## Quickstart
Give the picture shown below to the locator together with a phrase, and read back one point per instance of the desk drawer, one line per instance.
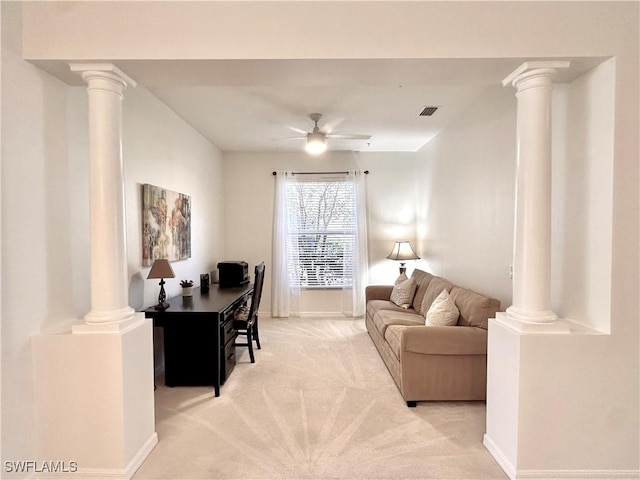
(227, 332)
(228, 361)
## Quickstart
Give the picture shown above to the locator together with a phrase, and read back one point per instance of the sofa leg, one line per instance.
(412, 403)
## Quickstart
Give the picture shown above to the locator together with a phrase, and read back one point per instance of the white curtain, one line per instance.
(285, 299)
(353, 299)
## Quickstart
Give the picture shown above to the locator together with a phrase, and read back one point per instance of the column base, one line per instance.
(111, 327)
(110, 316)
(94, 399)
(539, 408)
(523, 323)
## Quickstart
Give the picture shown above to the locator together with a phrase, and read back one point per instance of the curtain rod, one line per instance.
(366, 172)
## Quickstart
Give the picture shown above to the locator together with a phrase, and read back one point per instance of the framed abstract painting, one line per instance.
(166, 224)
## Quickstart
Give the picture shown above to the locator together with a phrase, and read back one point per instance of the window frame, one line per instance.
(342, 232)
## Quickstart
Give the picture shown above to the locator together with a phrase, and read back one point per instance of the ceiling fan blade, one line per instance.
(348, 137)
(333, 124)
(298, 130)
(325, 132)
(300, 137)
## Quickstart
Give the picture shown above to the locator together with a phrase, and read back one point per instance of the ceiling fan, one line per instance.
(317, 139)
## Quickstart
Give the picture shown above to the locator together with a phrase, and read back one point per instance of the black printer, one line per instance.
(233, 274)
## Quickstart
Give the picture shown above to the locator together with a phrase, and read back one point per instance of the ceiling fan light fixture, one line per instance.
(316, 143)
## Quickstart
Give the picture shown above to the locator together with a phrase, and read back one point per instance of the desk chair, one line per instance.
(246, 321)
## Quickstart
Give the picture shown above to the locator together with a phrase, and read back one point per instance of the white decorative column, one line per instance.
(94, 385)
(532, 241)
(520, 352)
(109, 282)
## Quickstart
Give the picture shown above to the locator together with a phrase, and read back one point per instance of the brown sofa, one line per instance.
(427, 362)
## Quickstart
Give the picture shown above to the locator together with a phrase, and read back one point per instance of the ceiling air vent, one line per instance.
(427, 111)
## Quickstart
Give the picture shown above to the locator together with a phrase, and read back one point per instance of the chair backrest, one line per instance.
(257, 290)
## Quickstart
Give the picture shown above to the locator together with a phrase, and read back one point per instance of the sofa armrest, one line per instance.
(378, 292)
(454, 340)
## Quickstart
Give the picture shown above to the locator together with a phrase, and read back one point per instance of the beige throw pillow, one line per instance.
(403, 291)
(443, 312)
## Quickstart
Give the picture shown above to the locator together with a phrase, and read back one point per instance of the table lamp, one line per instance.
(161, 269)
(402, 251)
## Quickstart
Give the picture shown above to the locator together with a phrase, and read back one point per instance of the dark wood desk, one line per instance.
(199, 338)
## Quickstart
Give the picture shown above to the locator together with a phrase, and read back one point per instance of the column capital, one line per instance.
(103, 71)
(544, 69)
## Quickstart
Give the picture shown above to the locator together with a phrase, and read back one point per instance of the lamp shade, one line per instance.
(161, 268)
(316, 143)
(402, 251)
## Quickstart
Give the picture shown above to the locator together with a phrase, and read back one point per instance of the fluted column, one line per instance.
(109, 285)
(532, 239)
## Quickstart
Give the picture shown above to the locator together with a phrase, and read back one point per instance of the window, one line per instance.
(322, 233)
(319, 240)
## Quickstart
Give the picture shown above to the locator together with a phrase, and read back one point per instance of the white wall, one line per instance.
(159, 148)
(466, 182)
(574, 410)
(583, 197)
(391, 204)
(35, 198)
(45, 213)
(249, 200)
(323, 29)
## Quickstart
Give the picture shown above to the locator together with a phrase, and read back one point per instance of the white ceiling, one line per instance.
(257, 105)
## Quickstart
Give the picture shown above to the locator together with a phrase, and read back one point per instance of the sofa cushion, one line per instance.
(475, 309)
(383, 318)
(435, 287)
(422, 282)
(445, 340)
(403, 291)
(392, 336)
(442, 312)
(374, 305)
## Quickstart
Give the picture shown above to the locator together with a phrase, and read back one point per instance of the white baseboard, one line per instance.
(311, 315)
(499, 456)
(109, 473)
(323, 315)
(514, 474)
(578, 474)
(142, 454)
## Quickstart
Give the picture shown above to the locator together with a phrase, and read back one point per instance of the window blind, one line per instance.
(322, 233)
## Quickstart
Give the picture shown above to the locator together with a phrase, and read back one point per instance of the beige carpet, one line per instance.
(317, 404)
